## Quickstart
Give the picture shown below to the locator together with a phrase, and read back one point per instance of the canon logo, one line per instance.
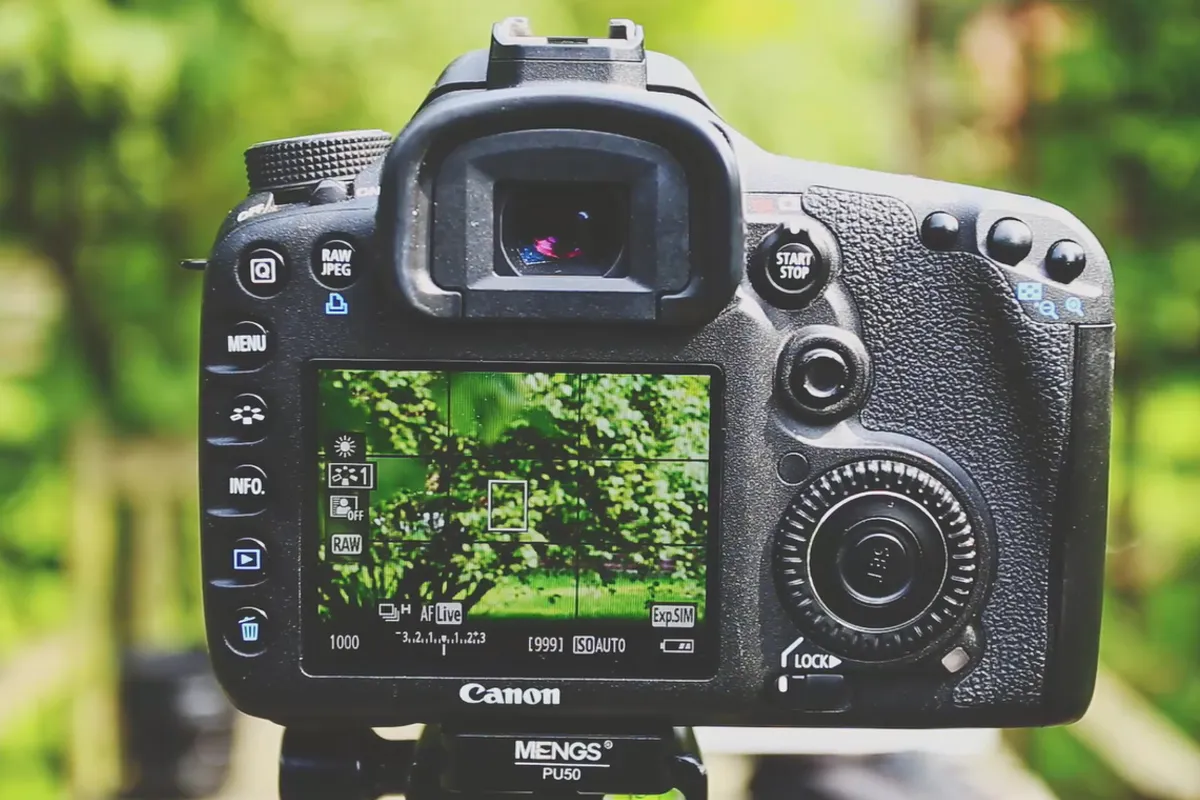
(475, 693)
(559, 751)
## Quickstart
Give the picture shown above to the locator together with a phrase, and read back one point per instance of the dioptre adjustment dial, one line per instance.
(308, 160)
(877, 560)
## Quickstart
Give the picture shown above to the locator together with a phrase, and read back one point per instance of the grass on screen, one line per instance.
(551, 595)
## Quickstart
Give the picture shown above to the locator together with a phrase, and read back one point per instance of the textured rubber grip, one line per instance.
(308, 160)
(957, 364)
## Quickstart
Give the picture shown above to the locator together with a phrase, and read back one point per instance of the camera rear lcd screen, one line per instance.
(493, 522)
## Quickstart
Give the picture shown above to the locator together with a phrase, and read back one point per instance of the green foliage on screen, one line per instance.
(527, 495)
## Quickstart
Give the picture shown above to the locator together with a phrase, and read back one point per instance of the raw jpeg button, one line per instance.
(336, 263)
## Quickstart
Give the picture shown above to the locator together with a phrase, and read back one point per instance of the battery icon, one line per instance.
(678, 646)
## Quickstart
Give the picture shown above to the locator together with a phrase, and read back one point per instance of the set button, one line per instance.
(247, 631)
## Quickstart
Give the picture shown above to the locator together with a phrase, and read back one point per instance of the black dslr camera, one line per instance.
(570, 402)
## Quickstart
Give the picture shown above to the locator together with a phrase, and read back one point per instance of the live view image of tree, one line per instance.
(526, 495)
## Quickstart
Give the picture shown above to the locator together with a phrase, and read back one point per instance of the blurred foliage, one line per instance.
(121, 128)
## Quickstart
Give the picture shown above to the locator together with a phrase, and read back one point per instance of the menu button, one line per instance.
(244, 346)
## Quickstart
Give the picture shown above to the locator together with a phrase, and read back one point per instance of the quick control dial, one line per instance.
(305, 161)
(876, 560)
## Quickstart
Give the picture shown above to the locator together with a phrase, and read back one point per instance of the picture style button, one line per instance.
(246, 491)
(336, 264)
(248, 562)
(243, 420)
(262, 272)
(242, 347)
(248, 631)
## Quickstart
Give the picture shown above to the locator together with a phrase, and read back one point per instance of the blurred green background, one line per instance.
(122, 124)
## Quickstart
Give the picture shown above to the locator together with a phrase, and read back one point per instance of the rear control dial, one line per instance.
(876, 560)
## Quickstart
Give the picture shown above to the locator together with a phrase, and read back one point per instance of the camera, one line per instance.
(570, 401)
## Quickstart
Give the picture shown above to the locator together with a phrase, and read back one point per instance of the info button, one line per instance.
(243, 491)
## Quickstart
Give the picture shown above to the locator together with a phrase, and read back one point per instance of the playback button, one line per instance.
(247, 565)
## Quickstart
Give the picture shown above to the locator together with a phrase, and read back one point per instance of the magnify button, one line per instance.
(1074, 305)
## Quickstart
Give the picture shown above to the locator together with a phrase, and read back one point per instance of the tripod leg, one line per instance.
(690, 776)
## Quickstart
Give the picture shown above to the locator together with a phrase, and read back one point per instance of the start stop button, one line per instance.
(792, 264)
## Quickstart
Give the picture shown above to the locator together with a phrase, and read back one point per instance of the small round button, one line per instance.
(246, 490)
(940, 231)
(242, 347)
(1009, 241)
(247, 631)
(790, 267)
(1065, 261)
(821, 377)
(792, 468)
(262, 272)
(336, 264)
(248, 562)
(243, 420)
